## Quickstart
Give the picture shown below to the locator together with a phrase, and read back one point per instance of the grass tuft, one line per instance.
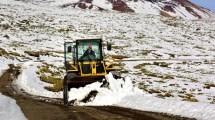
(119, 56)
(37, 53)
(7, 36)
(51, 74)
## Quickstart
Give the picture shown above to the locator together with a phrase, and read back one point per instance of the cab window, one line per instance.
(85, 54)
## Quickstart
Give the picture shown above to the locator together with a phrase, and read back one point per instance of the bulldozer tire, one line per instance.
(68, 77)
(65, 91)
(71, 76)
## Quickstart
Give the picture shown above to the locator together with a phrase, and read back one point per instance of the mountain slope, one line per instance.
(169, 8)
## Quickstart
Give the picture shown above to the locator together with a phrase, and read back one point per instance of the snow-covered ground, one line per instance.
(9, 110)
(172, 84)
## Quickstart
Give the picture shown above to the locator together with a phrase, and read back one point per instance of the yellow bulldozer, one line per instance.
(84, 62)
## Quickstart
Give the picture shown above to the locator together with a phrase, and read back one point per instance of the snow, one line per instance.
(29, 81)
(9, 110)
(203, 111)
(106, 96)
(103, 4)
(124, 94)
(184, 13)
(4, 64)
(134, 35)
(144, 7)
(121, 92)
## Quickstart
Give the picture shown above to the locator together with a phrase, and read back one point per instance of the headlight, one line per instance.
(107, 63)
(110, 60)
(70, 62)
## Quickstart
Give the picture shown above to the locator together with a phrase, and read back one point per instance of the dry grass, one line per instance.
(47, 74)
(143, 69)
(57, 83)
(151, 91)
(120, 67)
(145, 52)
(3, 52)
(5, 26)
(119, 56)
(208, 85)
(37, 53)
(160, 95)
(188, 97)
(7, 36)
(143, 86)
(161, 64)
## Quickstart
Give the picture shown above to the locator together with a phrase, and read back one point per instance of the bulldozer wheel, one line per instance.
(71, 76)
(66, 88)
(65, 91)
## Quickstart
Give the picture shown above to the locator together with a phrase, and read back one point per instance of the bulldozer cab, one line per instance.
(84, 57)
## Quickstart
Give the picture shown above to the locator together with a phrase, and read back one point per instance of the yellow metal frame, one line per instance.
(93, 67)
(75, 69)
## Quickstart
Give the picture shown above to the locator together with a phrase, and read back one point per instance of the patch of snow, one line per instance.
(29, 81)
(144, 7)
(103, 4)
(203, 111)
(62, 2)
(9, 110)
(182, 12)
(6, 1)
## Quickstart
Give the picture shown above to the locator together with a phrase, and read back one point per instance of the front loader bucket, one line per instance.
(83, 81)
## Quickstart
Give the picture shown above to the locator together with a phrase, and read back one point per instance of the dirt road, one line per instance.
(38, 109)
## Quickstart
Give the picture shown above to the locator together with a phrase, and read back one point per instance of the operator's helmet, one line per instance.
(90, 47)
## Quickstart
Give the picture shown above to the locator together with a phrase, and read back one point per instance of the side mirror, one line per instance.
(108, 46)
(69, 49)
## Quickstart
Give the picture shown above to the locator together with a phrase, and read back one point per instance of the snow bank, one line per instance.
(110, 95)
(29, 81)
(203, 111)
(9, 110)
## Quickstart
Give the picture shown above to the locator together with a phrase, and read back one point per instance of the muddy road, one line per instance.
(40, 109)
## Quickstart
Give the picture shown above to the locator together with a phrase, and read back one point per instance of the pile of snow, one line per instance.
(9, 109)
(116, 90)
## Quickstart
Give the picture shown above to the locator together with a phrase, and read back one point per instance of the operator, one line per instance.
(89, 51)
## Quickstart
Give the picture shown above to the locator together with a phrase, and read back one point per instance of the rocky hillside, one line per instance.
(169, 8)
